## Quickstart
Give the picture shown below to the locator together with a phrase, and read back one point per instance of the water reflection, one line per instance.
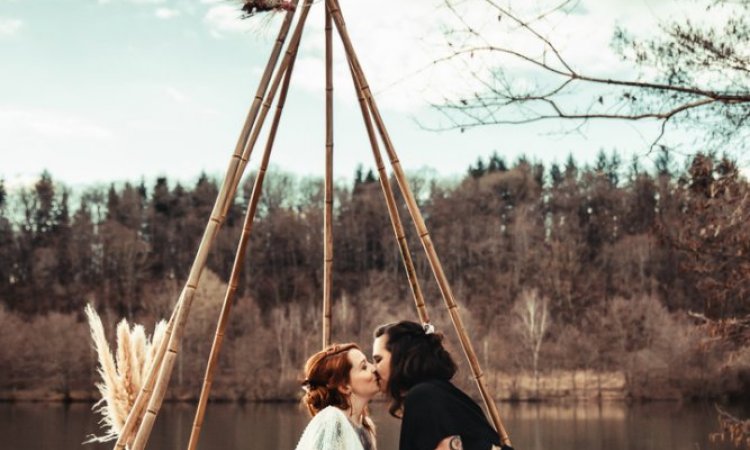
(611, 426)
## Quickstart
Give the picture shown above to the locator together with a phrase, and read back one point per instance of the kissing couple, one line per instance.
(412, 368)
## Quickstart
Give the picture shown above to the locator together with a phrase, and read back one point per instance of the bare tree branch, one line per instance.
(498, 101)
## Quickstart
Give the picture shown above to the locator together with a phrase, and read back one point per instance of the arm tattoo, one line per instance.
(455, 443)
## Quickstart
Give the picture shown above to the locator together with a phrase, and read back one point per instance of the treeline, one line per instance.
(618, 253)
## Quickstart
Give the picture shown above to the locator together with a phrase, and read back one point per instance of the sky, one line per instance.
(96, 91)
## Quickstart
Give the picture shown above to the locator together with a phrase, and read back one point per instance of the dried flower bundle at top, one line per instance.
(252, 7)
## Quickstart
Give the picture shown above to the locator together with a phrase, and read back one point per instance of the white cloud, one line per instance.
(176, 95)
(390, 48)
(187, 103)
(29, 125)
(397, 50)
(166, 13)
(10, 27)
(226, 18)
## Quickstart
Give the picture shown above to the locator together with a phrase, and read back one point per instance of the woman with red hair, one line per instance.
(339, 383)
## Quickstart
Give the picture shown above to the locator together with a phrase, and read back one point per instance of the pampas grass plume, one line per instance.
(122, 376)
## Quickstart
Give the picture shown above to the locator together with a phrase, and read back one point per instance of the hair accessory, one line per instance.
(306, 386)
(428, 328)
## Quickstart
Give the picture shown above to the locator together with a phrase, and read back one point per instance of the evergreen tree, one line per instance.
(43, 206)
(158, 230)
(3, 196)
(86, 266)
(613, 168)
(370, 177)
(478, 170)
(63, 256)
(497, 164)
(7, 253)
(130, 209)
(664, 162)
(571, 169)
(556, 175)
(641, 209)
(634, 169)
(538, 174)
(113, 203)
(601, 162)
(358, 175)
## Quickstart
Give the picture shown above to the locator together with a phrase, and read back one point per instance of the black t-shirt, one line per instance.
(435, 409)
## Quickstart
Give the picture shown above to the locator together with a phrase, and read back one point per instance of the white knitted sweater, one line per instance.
(330, 429)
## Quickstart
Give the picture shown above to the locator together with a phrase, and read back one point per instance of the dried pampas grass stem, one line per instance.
(122, 375)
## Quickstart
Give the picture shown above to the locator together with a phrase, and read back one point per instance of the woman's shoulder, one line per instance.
(329, 413)
(327, 430)
(326, 420)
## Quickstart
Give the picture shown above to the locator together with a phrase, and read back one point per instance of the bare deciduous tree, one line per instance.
(532, 311)
(689, 73)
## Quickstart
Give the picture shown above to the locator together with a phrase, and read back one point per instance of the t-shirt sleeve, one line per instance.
(427, 419)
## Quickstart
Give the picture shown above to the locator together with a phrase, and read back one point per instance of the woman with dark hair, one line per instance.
(415, 371)
(339, 383)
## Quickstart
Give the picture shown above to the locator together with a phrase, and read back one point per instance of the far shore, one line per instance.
(552, 387)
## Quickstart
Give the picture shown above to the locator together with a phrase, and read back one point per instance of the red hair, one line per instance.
(326, 372)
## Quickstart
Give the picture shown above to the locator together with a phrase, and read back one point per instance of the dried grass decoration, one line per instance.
(123, 374)
(252, 7)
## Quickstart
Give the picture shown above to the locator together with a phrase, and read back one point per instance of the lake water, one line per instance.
(613, 426)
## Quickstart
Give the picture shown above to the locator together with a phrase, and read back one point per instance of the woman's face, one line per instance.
(363, 379)
(382, 358)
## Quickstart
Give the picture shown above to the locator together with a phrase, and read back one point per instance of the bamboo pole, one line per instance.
(241, 147)
(231, 179)
(126, 433)
(238, 265)
(420, 225)
(165, 371)
(296, 36)
(390, 200)
(328, 214)
(183, 308)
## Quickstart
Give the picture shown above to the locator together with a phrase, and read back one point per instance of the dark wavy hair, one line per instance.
(415, 357)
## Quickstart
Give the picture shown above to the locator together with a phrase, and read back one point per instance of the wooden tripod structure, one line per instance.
(275, 80)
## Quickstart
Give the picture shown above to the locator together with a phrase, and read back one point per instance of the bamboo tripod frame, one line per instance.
(155, 384)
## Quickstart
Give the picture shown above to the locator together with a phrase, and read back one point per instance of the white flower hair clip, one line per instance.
(428, 328)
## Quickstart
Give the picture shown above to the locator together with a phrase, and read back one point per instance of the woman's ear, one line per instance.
(346, 390)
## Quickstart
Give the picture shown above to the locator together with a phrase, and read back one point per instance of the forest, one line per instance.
(622, 279)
